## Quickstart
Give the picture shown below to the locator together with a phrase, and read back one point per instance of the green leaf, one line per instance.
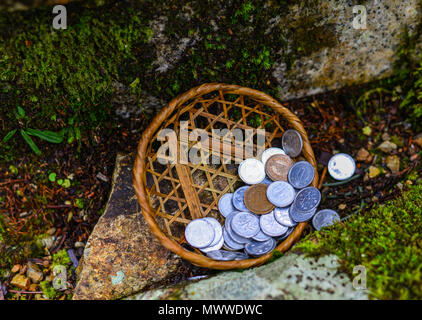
(21, 112)
(9, 135)
(46, 135)
(66, 183)
(52, 177)
(30, 142)
(60, 182)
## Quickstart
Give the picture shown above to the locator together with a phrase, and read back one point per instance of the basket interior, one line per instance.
(179, 193)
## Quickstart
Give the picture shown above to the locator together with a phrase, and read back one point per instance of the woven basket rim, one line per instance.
(140, 163)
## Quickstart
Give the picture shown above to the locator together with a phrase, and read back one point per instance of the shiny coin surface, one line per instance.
(233, 235)
(284, 236)
(277, 167)
(218, 231)
(224, 255)
(259, 248)
(225, 204)
(230, 243)
(260, 236)
(283, 217)
(245, 224)
(199, 233)
(281, 193)
(292, 143)
(307, 199)
(251, 171)
(341, 166)
(301, 174)
(324, 218)
(270, 226)
(214, 247)
(256, 199)
(238, 196)
(300, 216)
(270, 152)
(267, 180)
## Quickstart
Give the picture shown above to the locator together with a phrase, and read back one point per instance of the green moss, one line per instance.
(387, 240)
(48, 290)
(60, 258)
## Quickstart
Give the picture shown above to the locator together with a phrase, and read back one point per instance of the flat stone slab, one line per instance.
(122, 256)
(290, 277)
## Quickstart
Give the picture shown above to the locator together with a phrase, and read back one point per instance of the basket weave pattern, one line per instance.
(171, 195)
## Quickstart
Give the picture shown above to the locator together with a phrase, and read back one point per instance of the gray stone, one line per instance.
(290, 277)
(387, 146)
(122, 256)
(356, 56)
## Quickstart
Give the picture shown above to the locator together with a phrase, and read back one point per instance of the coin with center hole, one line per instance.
(324, 218)
(238, 196)
(199, 233)
(277, 167)
(292, 143)
(341, 166)
(270, 226)
(280, 193)
(301, 174)
(256, 199)
(251, 171)
(307, 199)
(270, 152)
(283, 217)
(225, 204)
(245, 224)
(259, 248)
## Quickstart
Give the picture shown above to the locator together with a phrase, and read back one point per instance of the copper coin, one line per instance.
(256, 199)
(277, 167)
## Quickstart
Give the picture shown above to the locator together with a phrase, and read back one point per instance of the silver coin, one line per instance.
(245, 224)
(218, 230)
(230, 243)
(259, 248)
(238, 196)
(270, 226)
(214, 247)
(301, 174)
(199, 233)
(270, 152)
(267, 180)
(282, 216)
(284, 236)
(307, 199)
(233, 235)
(300, 216)
(341, 166)
(260, 236)
(251, 171)
(225, 204)
(224, 255)
(324, 218)
(280, 193)
(292, 143)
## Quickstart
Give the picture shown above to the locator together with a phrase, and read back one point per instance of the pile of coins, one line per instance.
(276, 197)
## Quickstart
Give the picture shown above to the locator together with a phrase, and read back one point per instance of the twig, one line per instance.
(25, 292)
(321, 181)
(335, 184)
(11, 181)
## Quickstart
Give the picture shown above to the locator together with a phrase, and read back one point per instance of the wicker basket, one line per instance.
(172, 195)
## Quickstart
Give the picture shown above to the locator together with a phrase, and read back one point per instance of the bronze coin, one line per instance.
(256, 199)
(277, 167)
